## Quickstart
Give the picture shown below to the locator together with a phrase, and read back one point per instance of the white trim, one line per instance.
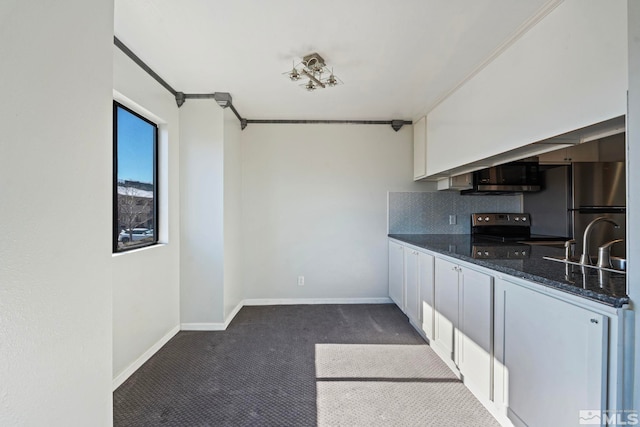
(293, 301)
(233, 313)
(132, 105)
(126, 373)
(213, 326)
(221, 326)
(202, 327)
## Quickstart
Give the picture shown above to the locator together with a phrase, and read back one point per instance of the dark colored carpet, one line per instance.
(302, 365)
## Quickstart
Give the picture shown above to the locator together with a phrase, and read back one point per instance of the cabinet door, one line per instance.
(560, 156)
(586, 152)
(396, 274)
(411, 302)
(425, 281)
(462, 182)
(420, 149)
(476, 331)
(445, 305)
(550, 358)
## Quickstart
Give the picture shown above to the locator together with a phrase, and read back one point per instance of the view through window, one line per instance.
(135, 180)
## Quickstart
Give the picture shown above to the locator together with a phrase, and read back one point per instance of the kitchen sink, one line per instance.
(548, 243)
(619, 265)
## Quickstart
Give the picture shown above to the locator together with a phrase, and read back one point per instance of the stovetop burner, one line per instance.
(500, 235)
(503, 226)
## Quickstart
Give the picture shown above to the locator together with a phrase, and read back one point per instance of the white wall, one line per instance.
(633, 181)
(211, 198)
(201, 201)
(567, 72)
(233, 286)
(146, 282)
(315, 200)
(55, 211)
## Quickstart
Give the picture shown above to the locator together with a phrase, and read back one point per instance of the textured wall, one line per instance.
(428, 213)
(146, 287)
(55, 206)
(314, 204)
(233, 287)
(202, 215)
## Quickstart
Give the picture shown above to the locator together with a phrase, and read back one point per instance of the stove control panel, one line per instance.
(500, 252)
(501, 219)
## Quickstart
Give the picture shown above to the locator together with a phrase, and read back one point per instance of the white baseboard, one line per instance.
(293, 301)
(202, 327)
(278, 301)
(233, 313)
(212, 326)
(122, 377)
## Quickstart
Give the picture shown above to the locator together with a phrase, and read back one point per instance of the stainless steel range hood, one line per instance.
(508, 178)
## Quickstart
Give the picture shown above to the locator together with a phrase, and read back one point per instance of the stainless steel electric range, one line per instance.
(506, 236)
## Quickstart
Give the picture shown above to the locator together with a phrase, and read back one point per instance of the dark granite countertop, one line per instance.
(548, 273)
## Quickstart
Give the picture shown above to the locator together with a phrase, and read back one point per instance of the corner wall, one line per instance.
(211, 200)
(315, 203)
(202, 227)
(146, 282)
(55, 192)
(233, 286)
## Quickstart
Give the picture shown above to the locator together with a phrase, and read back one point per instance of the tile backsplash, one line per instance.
(428, 212)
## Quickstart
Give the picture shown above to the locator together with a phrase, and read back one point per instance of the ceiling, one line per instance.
(397, 58)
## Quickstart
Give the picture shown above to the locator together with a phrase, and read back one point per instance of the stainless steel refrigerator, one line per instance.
(573, 196)
(599, 190)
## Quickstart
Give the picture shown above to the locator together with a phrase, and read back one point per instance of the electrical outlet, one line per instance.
(300, 280)
(452, 220)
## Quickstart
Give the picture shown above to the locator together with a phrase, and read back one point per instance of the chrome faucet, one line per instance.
(569, 249)
(604, 253)
(586, 258)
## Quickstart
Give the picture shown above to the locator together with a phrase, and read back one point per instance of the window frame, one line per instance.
(116, 224)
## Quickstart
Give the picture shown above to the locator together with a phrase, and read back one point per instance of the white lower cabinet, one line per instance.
(550, 358)
(411, 289)
(425, 284)
(396, 274)
(463, 323)
(411, 285)
(475, 334)
(533, 356)
(446, 308)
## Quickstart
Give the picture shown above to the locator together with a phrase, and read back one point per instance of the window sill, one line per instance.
(144, 248)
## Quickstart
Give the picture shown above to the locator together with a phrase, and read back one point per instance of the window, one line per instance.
(135, 191)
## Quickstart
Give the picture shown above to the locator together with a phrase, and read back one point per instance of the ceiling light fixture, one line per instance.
(314, 68)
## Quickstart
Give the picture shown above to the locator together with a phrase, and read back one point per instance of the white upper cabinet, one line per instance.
(420, 149)
(563, 74)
